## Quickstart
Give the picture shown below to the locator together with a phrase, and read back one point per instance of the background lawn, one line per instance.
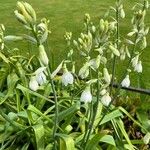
(67, 15)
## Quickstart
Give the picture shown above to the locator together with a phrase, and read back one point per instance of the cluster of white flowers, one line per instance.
(106, 99)
(38, 79)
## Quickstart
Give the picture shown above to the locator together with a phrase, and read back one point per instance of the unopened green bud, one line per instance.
(122, 13)
(75, 43)
(103, 60)
(20, 17)
(93, 29)
(107, 77)
(144, 43)
(101, 25)
(87, 18)
(80, 40)
(43, 56)
(114, 50)
(106, 24)
(21, 7)
(30, 10)
(13, 38)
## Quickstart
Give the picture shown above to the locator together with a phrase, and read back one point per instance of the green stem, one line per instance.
(95, 110)
(117, 40)
(56, 106)
(54, 92)
(88, 126)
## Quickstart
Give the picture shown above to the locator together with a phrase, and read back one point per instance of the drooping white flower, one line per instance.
(146, 138)
(67, 78)
(106, 99)
(41, 78)
(86, 95)
(138, 68)
(33, 84)
(135, 60)
(126, 81)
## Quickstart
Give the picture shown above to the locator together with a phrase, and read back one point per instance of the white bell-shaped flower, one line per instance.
(67, 77)
(106, 99)
(33, 84)
(86, 95)
(126, 81)
(138, 67)
(41, 78)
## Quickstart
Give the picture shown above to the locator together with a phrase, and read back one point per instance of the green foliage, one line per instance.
(44, 109)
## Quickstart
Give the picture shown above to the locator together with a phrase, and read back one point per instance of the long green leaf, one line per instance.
(110, 116)
(39, 136)
(66, 142)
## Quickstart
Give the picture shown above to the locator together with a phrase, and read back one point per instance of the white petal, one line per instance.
(67, 78)
(41, 78)
(33, 84)
(138, 68)
(106, 99)
(86, 96)
(126, 82)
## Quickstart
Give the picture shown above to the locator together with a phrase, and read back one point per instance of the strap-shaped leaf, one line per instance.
(39, 136)
(66, 142)
(110, 116)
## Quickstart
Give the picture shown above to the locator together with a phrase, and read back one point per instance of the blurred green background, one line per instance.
(67, 15)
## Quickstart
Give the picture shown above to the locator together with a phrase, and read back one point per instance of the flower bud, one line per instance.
(138, 67)
(75, 43)
(86, 95)
(107, 77)
(20, 17)
(101, 25)
(135, 60)
(21, 7)
(106, 99)
(12, 38)
(43, 56)
(144, 43)
(122, 13)
(67, 77)
(33, 84)
(93, 29)
(126, 81)
(114, 50)
(30, 10)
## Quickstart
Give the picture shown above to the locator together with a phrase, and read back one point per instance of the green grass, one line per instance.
(67, 15)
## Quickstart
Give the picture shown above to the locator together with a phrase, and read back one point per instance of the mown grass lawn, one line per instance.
(67, 15)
